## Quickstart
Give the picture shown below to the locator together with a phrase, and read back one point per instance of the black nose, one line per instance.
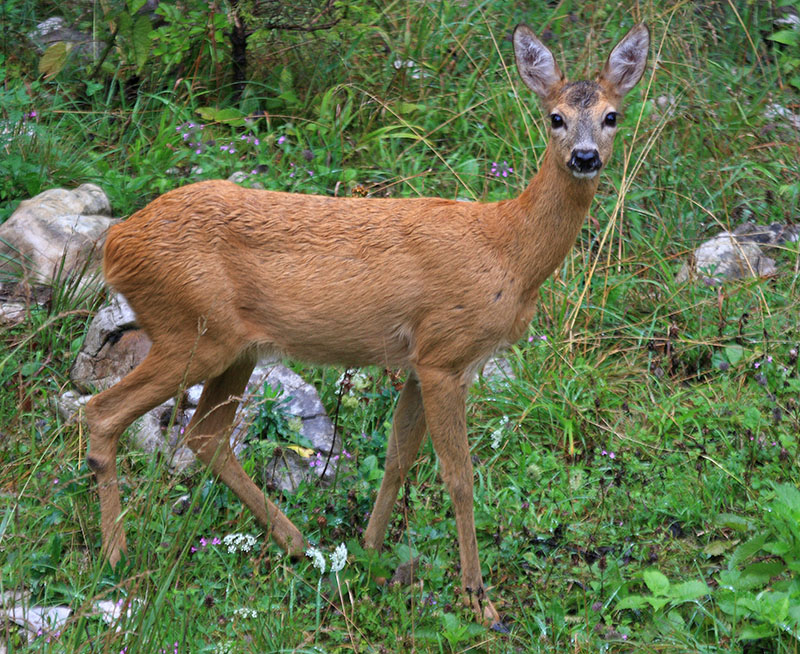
(585, 161)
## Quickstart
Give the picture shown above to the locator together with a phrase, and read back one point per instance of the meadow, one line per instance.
(636, 477)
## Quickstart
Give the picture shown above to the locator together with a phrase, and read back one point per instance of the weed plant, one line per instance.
(636, 475)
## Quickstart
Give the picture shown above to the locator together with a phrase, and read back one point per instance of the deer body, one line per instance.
(221, 275)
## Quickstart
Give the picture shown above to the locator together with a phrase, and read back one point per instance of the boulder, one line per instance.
(737, 254)
(55, 234)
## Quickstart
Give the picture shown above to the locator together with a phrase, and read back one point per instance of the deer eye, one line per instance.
(611, 119)
(556, 121)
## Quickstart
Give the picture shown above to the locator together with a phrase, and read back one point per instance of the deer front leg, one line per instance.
(444, 395)
(408, 430)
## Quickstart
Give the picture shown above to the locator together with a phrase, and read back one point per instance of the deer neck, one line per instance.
(549, 215)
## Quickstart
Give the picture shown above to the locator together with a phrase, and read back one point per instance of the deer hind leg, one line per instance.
(444, 395)
(208, 434)
(152, 382)
(408, 430)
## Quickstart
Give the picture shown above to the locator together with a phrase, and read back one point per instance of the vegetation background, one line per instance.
(636, 480)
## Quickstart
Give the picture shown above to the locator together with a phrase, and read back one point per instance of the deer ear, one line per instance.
(535, 63)
(627, 61)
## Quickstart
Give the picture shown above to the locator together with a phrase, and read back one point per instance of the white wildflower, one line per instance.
(338, 558)
(225, 647)
(245, 613)
(497, 434)
(317, 559)
(239, 542)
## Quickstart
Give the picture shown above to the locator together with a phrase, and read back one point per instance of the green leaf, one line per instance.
(54, 58)
(135, 5)
(140, 41)
(789, 495)
(688, 590)
(657, 602)
(30, 368)
(759, 574)
(734, 353)
(228, 115)
(746, 550)
(754, 632)
(656, 581)
(787, 37)
(735, 522)
(407, 107)
(631, 602)
(718, 547)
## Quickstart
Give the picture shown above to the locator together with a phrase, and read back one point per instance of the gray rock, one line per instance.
(11, 313)
(55, 30)
(36, 620)
(497, 371)
(112, 348)
(55, 234)
(775, 111)
(737, 254)
(300, 400)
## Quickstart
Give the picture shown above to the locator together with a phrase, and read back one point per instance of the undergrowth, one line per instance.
(636, 475)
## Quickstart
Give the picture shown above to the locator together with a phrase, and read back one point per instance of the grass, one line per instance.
(635, 479)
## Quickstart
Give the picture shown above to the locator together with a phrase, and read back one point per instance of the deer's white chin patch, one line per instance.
(588, 175)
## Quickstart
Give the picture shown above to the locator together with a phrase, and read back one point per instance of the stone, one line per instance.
(11, 313)
(56, 234)
(737, 254)
(497, 371)
(112, 348)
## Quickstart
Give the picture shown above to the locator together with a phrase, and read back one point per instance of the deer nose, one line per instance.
(585, 161)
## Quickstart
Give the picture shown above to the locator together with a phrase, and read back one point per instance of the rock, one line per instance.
(240, 176)
(498, 371)
(11, 313)
(112, 348)
(55, 234)
(37, 620)
(300, 400)
(69, 404)
(736, 254)
(776, 110)
(55, 30)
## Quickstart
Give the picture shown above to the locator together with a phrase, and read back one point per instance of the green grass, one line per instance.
(634, 482)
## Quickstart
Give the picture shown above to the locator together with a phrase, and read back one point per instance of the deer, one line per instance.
(220, 276)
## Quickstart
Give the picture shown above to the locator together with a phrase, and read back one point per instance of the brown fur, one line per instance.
(219, 275)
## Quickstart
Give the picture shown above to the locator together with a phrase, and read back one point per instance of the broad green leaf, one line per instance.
(631, 602)
(140, 41)
(760, 573)
(787, 37)
(734, 353)
(754, 632)
(229, 115)
(656, 581)
(407, 107)
(735, 522)
(718, 547)
(746, 550)
(30, 368)
(657, 602)
(54, 58)
(688, 590)
(789, 495)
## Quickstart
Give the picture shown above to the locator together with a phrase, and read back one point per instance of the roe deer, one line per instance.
(220, 275)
